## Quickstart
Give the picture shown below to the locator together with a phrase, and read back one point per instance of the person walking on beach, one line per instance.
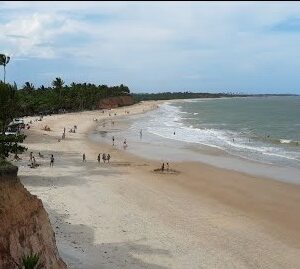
(168, 167)
(163, 167)
(32, 164)
(83, 157)
(113, 140)
(104, 157)
(108, 157)
(51, 161)
(99, 157)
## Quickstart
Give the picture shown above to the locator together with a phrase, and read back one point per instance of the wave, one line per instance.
(282, 156)
(244, 142)
(285, 141)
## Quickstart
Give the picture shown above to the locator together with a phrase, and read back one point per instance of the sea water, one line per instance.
(265, 129)
(256, 134)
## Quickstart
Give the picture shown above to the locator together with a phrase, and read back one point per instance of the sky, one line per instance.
(241, 47)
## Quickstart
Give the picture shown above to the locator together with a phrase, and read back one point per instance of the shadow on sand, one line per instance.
(76, 245)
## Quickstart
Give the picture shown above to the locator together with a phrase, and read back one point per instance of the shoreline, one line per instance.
(123, 214)
(181, 151)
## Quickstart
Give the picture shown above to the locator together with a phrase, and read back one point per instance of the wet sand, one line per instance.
(125, 215)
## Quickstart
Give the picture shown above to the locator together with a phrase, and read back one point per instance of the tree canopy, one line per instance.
(73, 97)
(9, 106)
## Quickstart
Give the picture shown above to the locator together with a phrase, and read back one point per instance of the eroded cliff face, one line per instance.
(24, 225)
(113, 102)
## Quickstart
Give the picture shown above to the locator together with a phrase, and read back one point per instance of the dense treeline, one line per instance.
(178, 95)
(60, 97)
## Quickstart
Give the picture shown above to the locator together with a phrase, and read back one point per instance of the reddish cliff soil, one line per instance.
(24, 225)
(113, 102)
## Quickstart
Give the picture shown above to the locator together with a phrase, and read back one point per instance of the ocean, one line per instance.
(223, 132)
(264, 129)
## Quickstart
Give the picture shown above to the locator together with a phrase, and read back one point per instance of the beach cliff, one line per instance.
(113, 102)
(24, 225)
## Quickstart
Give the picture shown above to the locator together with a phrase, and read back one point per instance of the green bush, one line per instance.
(31, 261)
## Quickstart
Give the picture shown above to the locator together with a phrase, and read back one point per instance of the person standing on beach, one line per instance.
(83, 158)
(99, 157)
(163, 167)
(104, 157)
(168, 167)
(141, 133)
(30, 156)
(108, 157)
(51, 160)
(113, 140)
(125, 144)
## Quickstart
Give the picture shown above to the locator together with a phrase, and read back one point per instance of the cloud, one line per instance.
(159, 45)
(16, 36)
(289, 25)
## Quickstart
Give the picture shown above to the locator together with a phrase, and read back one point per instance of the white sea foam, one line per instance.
(285, 141)
(282, 156)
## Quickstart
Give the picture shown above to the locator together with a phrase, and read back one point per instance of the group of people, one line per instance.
(32, 160)
(33, 163)
(72, 130)
(105, 157)
(163, 167)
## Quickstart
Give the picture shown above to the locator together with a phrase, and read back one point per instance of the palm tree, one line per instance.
(4, 60)
(28, 87)
(42, 88)
(58, 84)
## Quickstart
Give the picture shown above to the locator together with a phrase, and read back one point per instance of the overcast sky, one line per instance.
(249, 47)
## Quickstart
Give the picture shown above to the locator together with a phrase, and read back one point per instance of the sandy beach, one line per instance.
(125, 215)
